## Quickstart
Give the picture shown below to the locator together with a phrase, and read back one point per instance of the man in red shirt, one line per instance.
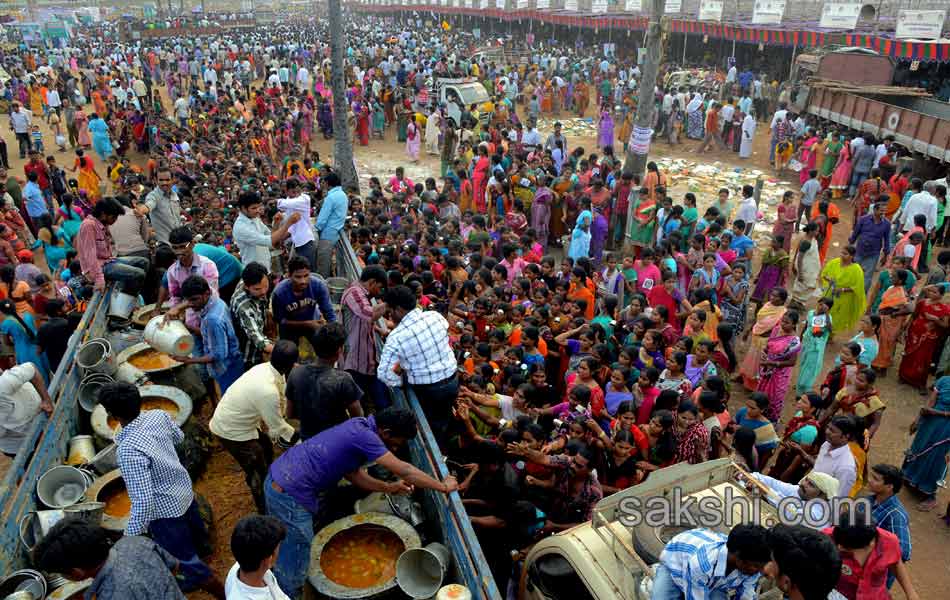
(868, 553)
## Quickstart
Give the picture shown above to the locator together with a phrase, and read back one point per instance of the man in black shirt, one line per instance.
(319, 394)
(53, 335)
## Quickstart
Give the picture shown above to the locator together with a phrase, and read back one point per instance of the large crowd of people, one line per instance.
(561, 350)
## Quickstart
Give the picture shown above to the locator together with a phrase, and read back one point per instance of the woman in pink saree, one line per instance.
(808, 158)
(777, 361)
(766, 320)
(841, 177)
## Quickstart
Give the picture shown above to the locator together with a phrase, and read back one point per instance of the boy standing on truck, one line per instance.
(702, 563)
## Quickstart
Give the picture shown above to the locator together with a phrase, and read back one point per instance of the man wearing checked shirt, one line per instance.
(163, 503)
(701, 564)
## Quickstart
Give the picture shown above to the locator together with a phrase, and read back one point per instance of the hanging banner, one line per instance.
(523, 4)
(768, 12)
(470, 3)
(598, 6)
(500, 4)
(633, 5)
(919, 24)
(570, 5)
(840, 15)
(483, 4)
(673, 7)
(710, 10)
(543, 4)
(640, 139)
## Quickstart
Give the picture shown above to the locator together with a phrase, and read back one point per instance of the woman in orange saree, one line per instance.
(894, 309)
(768, 317)
(826, 214)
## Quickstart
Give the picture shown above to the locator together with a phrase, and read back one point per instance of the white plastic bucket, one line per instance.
(420, 571)
(81, 450)
(171, 337)
(129, 373)
(454, 591)
(96, 356)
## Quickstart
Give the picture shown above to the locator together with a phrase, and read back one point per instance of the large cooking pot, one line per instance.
(100, 419)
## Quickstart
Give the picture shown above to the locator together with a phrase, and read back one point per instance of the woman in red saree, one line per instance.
(480, 179)
(930, 322)
(778, 360)
(362, 124)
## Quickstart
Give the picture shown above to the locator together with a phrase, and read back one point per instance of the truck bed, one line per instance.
(922, 125)
(46, 443)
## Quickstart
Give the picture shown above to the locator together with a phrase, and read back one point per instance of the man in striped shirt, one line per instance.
(702, 564)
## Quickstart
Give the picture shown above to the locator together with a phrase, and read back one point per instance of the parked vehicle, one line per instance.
(853, 87)
(606, 559)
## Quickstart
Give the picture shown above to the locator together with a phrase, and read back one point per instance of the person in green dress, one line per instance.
(643, 224)
(689, 219)
(885, 279)
(830, 160)
(817, 328)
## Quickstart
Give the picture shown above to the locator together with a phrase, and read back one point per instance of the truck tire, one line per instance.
(649, 540)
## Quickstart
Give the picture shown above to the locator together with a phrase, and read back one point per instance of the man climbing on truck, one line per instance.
(702, 563)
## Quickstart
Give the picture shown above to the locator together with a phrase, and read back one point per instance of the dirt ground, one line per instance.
(223, 483)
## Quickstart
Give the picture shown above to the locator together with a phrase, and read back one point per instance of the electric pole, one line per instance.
(639, 146)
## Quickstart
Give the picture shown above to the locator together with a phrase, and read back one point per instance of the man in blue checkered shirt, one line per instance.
(163, 503)
(702, 564)
(885, 482)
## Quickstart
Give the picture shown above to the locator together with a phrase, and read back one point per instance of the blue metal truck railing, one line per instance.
(453, 522)
(45, 444)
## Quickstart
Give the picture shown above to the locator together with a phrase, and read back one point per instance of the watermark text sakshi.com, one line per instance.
(730, 508)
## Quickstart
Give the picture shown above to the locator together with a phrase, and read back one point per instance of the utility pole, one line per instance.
(636, 159)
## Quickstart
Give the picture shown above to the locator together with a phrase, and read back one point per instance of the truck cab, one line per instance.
(612, 556)
(459, 94)
(857, 66)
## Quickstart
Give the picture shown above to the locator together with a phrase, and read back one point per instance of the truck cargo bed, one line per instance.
(921, 125)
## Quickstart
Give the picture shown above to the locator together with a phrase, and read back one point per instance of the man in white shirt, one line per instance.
(182, 111)
(531, 140)
(253, 238)
(301, 233)
(921, 203)
(835, 457)
(856, 144)
(53, 101)
(23, 395)
(255, 399)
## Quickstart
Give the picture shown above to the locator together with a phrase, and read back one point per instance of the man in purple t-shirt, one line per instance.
(299, 479)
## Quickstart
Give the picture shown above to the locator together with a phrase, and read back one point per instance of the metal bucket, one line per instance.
(24, 580)
(420, 571)
(61, 486)
(171, 338)
(105, 460)
(89, 390)
(90, 512)
(95, 356)
(121, 304)
(81, 450)
(337, 285)
(35, 524)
